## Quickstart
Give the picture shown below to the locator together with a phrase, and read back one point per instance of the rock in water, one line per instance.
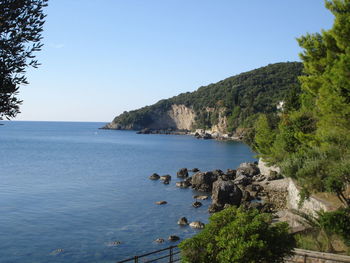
(197, 225)
(197, 204)
(226, 192)
(154, 176)
(159, 240)
(203, 181)
(57, 251)
(182, 173)
(161, 203)
(182, 221)
(173, 238)
(166, 177)
(194, 170)
(201, 197)
(183, 184)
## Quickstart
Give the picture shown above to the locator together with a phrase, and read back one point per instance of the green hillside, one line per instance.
(239, 98)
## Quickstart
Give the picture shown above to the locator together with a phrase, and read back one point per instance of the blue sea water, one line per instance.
(68, 189)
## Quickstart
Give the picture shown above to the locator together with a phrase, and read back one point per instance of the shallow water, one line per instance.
(68, 189)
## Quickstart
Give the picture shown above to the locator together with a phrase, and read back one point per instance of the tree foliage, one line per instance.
(21, 25)
(238, 236)
(242, 97)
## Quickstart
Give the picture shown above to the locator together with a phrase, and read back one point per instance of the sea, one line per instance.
(71, 192)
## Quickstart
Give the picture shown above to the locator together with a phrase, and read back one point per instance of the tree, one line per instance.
(239, 236)
(21, 25)
(264, 136)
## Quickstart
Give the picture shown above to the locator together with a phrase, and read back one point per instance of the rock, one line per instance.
(113, 243)
(182, 173)
(182, 221)
(154, 176)
(203, 181)
(247, 169)
(201, 197)
(207, 136)
(159, 240)
(243, 180)
(229, 175)
(226, 192)
(197, 204)
(165, 177)
(161, 203)
(213, 208)
(194, 170)
(246, 196)
(197, 225)
(255, 188)
(274, 176)
(173, 238)
(183, 184)
(166, 182)
(218, 172)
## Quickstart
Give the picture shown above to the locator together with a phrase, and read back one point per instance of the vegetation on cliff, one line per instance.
(239, 98)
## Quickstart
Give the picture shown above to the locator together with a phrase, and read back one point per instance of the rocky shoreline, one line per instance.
(245, 186)
(198, 133)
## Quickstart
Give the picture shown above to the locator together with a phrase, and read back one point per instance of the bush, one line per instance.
(238, 236)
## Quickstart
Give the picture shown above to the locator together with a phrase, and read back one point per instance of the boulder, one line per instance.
(154, 176)
(229, 175)
(218, 172)
(194, 170)
(247, 169)
(243, 180)
(182, 173)
(203, 181)
(197, 225)
(173, 238)
(166, 177)
(161, 202)
(182, 221)
(274, 176)
(226, 192)
(197, 204)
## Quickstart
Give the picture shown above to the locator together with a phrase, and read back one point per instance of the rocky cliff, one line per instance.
(224, 107)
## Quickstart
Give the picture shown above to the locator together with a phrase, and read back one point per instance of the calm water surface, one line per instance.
(71, 186)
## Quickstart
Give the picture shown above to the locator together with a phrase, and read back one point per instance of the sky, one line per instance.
(103, 57)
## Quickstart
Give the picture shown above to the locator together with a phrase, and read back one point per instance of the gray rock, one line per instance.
(203, 181)
(194, 170)
(154, 176)
(159, 240)
(243, 180)
(197, 204)
(165, 177)
(226, 192)
(213, 208)
(182, 173)
(182, 221)
(247, 169)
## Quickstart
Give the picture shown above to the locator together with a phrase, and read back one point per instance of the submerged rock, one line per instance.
(182, 221)
(154, 176)
(113, 243)
(57, 251)
(159, 240)
(183, 184)
(173, 238)
(197, 204)
(161, 203)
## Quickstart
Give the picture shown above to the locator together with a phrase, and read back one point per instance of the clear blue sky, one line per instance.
(102, 57)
